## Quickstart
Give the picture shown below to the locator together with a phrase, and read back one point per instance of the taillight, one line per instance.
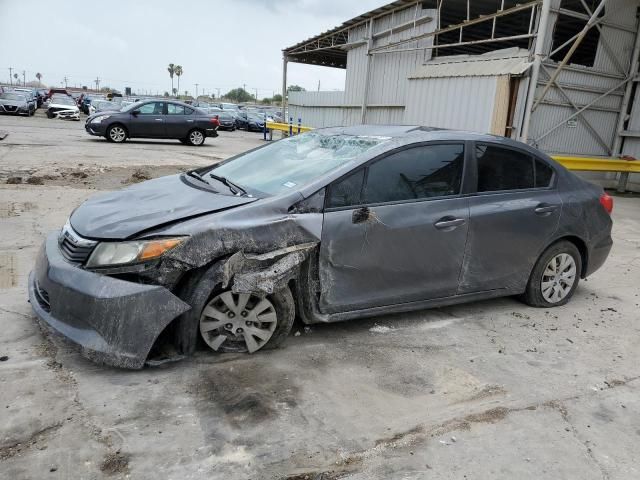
(606, 201)
(215, 121)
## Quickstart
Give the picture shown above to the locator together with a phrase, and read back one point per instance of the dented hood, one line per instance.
(124, 213)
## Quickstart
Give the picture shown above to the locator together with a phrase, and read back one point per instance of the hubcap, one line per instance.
(196, 137)
(240, 321)
(558, 278)
(117, 134)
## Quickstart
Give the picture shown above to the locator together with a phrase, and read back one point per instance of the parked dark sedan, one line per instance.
(227, 121)
(154, 119)
(16, 104)
(349, 222)
(251, 122)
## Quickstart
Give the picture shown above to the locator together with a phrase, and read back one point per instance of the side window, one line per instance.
(419, 172)
(188, 111)
(173, 109)
(503, 169)
(544, 174)
(154, 108)
(346, 192)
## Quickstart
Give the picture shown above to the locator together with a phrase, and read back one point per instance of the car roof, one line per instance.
(404, 134)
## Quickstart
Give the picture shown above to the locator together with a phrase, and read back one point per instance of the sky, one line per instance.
(221, 44)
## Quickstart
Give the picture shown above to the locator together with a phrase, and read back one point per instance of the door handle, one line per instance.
(545, 209)
(158, 120)
(190, 121)
(449, 223)
(360, 215)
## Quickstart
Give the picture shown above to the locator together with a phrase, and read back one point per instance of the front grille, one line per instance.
(10, 108)
(73, 247)
(42, 296)
(74, 253)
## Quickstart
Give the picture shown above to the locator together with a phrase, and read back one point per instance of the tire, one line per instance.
(49, 114)
(116, 133)
(234, 333)
(560, 278)
(196, 137)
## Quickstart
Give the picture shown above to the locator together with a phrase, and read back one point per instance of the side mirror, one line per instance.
(135, 113)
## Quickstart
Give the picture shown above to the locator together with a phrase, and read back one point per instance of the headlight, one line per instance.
(123, 253)
(100, 118)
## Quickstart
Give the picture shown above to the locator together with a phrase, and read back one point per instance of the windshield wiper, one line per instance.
(195, 174)
(235, 189)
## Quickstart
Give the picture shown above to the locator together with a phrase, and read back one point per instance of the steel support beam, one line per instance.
(535, 68)
(624, 110)
(367, 73)
(284, 89)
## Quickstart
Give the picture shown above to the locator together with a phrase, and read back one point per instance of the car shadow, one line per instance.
(169, 143)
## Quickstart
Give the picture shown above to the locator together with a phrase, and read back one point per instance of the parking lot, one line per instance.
(491, 389)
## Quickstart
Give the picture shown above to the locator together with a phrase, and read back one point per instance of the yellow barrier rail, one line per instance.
(285, 127)
(591, 164)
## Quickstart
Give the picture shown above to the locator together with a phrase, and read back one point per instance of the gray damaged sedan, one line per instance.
(330, 225)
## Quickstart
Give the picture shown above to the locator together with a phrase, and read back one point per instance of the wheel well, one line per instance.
(582, 248)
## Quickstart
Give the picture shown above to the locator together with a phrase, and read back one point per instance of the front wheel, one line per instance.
(196, 138)
(116, 134)
(242, 322)
(555, 276)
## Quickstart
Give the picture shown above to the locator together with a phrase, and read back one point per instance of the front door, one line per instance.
(395, 231)
(149, 121)
(513, 217)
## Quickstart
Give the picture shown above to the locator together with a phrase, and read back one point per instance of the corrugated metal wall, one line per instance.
(461, 102)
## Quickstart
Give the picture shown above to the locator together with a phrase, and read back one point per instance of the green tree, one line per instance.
(178, 72)
(175, 91)
(39, 77)
(239, 95)
(266, 101)
(295, 88)
(172, 70)
(166, 94)
(277, 98)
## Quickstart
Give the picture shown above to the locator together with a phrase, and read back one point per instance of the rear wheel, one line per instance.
(116, 133)
(242, 322)
(555, 276)
(196, 138)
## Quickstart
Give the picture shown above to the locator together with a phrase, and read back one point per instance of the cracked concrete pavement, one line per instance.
(490, 389)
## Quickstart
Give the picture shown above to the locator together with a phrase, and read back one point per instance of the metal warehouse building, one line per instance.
(474, 64)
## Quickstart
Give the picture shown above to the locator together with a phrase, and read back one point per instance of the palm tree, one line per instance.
(171, 69)
(178, 72)
(38, 76)
(175, 91)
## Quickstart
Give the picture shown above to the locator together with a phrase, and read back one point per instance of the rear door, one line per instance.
(177, 122)
(149, 122)
(395, 231)
(513, 216)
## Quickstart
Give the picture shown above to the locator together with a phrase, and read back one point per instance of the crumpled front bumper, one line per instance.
(115, 322)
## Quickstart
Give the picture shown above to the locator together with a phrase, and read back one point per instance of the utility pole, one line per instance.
(65, 82)
(24, 78)
(11, 76)
(197, 90)
(218, 92)
(244, 87)
(256, 95)
(97, 82)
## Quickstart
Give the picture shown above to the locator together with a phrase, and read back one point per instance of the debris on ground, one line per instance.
(4, 358)
(115, 463)
(14, 180)
(35, 181)
(137, 176)
(380, 329)
(3, 134)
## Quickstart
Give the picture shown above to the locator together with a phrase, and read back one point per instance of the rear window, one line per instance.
(544, 174)
(503, 169)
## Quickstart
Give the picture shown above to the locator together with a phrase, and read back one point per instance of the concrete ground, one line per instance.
(487, 390)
